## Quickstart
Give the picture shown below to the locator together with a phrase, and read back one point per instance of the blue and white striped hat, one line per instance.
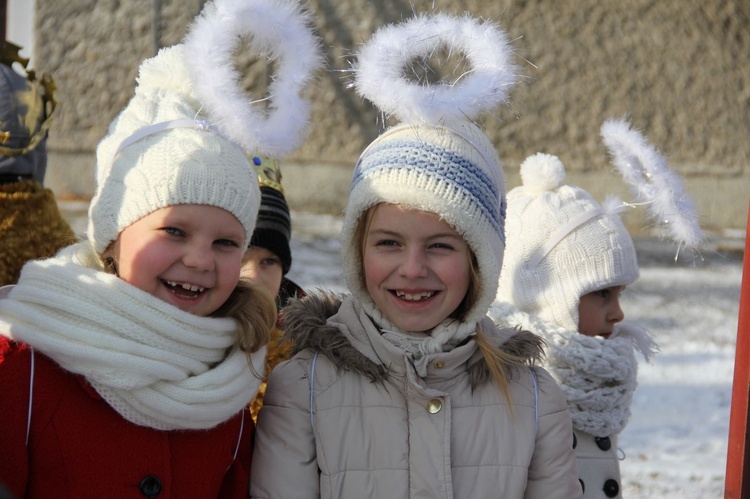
(454, 172)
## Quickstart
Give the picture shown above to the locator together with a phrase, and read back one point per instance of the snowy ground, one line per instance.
(676, 442)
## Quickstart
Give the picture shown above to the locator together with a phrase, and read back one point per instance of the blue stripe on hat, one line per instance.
(436, 163)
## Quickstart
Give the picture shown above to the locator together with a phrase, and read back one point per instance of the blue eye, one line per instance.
(226, 242)
(173, 231)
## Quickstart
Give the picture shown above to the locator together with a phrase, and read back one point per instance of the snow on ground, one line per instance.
(676, 441)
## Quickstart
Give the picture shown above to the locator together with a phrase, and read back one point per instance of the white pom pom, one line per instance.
(542, 172)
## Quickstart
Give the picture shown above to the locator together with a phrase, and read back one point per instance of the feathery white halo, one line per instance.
(278, 29)
(652, 182)
(381, 62)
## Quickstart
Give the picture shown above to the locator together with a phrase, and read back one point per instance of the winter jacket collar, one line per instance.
(323, 322)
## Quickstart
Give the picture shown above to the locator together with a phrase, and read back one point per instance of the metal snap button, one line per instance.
(434, 406)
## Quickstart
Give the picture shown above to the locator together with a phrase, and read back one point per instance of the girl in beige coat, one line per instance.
(404, 388)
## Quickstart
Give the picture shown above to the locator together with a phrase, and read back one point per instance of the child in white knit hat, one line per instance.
(567, 260)
(129, 359)
(405, 388)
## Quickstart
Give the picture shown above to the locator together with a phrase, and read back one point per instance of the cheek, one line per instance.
(250, 270)
(137, 261)
(458, 274)
(231, 268)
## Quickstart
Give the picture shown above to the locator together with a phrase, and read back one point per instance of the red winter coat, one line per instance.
(80, 447)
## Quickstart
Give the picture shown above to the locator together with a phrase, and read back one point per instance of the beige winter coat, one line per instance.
(375, 427)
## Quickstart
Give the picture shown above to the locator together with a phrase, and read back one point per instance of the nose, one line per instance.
(414, 264)
(615, 313)
(199, 257)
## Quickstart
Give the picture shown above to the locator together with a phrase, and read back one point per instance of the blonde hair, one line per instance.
(249, 303)
(255, 311)
(498, 361)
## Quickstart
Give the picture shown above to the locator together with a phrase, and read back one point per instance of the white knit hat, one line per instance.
(436, 160)
(561, 245)
(184, 138)
(175, 166)
(454, 173)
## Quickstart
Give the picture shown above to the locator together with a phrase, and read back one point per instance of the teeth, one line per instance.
(189, 287)
(416, 296)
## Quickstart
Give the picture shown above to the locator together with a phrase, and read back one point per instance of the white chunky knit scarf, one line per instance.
(597, 375)
(156, 365)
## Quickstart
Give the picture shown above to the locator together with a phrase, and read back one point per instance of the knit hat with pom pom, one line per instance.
(185, 137)
(181, 165)
(561, 244)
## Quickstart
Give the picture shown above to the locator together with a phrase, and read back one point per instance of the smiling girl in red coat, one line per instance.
(128, 360)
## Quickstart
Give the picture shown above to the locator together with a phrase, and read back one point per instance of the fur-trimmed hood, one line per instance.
(307, 326)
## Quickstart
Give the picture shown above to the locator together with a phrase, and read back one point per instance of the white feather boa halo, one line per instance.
(278, 29)
(379, 70)
(652, 182)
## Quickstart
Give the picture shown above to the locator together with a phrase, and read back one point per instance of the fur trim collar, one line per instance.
(307, 326)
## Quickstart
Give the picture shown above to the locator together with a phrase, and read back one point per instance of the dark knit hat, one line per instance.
(273, 229)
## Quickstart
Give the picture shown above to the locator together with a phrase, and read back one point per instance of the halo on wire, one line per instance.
(652, 182)
(277, 29)
(379, 71)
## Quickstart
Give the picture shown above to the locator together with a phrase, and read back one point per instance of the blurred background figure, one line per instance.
(31, 226)
(269, 258)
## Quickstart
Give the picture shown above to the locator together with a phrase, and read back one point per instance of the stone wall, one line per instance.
(678, 69)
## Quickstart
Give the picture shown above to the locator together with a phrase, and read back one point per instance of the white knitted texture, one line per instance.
(176, 166)
(156, 365)
(411, 182)
(595, 255)
(597, 375)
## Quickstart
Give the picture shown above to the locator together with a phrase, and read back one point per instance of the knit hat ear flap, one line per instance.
(561, 245)
(436, 160)
(185, 136)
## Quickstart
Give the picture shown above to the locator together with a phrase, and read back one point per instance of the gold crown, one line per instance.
(269, 173)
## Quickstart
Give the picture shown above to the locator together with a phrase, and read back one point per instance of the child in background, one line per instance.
(405, 388)
(567, 261)
(31, 225)
(128, 360)
(268, 260)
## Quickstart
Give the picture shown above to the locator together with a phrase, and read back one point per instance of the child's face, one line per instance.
(599, 311)
(264, 267)
(416, 267)
(187, 255)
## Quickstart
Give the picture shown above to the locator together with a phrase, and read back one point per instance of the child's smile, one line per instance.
(184, 290)
(187, 255)
(416, 267)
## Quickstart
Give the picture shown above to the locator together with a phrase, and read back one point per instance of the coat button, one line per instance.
(575, 441)
(434, 406)
(439, 365)
(150, 486)
(611, 488)
(604, 443)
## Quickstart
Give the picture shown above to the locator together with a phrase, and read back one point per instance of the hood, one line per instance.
(306, 326)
